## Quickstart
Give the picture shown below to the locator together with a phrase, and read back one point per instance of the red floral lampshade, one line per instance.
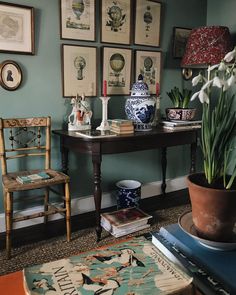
(206, 46)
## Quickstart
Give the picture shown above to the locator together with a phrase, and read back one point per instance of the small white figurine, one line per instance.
(80, 116)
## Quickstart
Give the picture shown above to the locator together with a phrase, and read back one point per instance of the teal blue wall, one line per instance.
(41, 94)
(222, 13)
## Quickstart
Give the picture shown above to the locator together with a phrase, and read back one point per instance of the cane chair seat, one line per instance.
(21, 139)
(12, 185)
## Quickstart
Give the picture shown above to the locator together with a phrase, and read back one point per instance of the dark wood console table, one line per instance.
(96, 147)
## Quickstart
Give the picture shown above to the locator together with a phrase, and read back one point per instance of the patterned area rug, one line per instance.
(83, 240)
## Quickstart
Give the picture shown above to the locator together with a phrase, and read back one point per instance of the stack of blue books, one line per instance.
(213, 271)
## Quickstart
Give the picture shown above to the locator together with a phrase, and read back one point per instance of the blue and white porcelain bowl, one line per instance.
(140, 106)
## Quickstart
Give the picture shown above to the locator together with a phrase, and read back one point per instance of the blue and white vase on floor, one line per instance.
(140, 106)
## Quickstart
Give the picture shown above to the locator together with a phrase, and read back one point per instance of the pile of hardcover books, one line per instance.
(125, 221)
(121, 126)
(32, 177)
(212, 269)
(180, 124)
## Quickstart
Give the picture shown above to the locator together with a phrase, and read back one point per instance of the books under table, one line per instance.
(135, 266)
(32, 177)
(125, 221)
(213, 271)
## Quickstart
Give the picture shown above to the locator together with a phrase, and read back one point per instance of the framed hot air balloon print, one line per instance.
(79, 70)
(115, 21)
(117, 70)
(77, 19)
(148, 64)
(147, 22)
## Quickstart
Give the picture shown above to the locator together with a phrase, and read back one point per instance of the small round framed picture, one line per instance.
(10, 75)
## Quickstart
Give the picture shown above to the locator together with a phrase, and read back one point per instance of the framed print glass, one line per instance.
(115, 21)
(148, 63)
(180, 38)
(77, 19)
(79, 70)
(147, 22)
(16, 28)
(10, 75)
(117, 70)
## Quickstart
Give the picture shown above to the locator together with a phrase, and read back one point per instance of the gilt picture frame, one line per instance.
(117, 70)
(79, 70)
(17, 28)
(115, 21)
(147, 23)
(180, 38)
(148, 63)
(77, 22)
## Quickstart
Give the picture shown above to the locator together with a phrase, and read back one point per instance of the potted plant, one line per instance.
(212, 193)
(180, 101)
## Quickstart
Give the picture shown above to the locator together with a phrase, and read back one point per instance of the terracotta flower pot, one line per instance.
(213, 210)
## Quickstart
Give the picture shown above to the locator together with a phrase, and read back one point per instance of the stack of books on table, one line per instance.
(213, 271)
(121, 126)
(181, 124)
(125, 221)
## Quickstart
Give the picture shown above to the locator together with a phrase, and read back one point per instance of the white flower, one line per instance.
(197, 79)
(218, 82)
(207, 84)
(203, 97)
(231, 81)
(230, 56)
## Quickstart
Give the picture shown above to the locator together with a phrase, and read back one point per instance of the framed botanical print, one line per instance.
(148, 63)
(115, 21)
(79, 70)
(180, 38)
(16, 28)
(117, 70)
(77, 19)
(10, 75)
(147, 22)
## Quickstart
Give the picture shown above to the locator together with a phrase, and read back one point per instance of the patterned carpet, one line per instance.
(82, 240)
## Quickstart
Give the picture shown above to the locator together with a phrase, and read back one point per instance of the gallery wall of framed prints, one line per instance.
(123, 30)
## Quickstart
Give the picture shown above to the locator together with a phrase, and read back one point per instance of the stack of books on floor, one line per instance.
(125, 221)
(121, 126)
(181, 124)
(213, 270)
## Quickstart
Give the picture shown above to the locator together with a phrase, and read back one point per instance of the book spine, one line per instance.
(203, 279)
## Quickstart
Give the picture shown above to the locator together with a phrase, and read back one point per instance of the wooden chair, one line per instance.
(20, 139)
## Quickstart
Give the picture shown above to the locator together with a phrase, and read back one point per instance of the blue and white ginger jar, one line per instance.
(140, 106)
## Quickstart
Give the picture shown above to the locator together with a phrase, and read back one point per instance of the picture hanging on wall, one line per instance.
(10, 75)
(148, 63)
(180, 38)
(79, 68)
(115, 21)
(16, 28)
(147, 22)
(117, 70)
(77, 19)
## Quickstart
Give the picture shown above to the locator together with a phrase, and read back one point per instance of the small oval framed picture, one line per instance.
(10, 75)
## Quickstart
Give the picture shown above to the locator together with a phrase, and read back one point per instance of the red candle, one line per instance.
(157, 89)
(104, 88)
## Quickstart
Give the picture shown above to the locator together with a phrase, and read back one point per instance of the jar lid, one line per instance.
(140, 88)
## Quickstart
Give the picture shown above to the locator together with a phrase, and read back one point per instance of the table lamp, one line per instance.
(206, 46)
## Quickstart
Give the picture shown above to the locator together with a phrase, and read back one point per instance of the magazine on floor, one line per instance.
(135, 266)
